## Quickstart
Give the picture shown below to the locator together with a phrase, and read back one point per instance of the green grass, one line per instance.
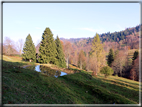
(29, 87)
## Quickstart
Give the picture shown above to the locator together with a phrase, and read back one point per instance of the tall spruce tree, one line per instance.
(29, 51)
(60, 55)
(47, 48)
(110, 57)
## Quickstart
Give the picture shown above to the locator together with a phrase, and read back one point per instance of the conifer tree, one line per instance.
(60, 54)
(97, 55)
(110, 57)
(47, 48)
(135, 55)
(29, 51)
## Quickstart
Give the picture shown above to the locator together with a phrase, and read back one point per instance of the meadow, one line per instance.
(26, 86)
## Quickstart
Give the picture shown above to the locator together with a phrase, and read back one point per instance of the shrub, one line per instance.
(106, 71)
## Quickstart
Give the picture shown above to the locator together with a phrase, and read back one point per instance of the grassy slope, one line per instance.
(26, 86)
(130, 55)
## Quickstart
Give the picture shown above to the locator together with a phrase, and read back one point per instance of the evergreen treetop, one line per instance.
(29, 51)
(47, 48)
(135, 55)
(110, 57)
(60, 55)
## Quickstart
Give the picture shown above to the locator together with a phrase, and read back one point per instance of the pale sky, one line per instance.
(67, 20)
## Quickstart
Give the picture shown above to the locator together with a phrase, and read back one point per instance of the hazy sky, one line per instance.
(68, 20)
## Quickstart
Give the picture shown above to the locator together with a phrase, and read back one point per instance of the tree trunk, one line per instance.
(133, 75)
(93, 73)
(80, 64)
(68, 62)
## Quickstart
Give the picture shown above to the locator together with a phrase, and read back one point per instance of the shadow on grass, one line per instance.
(30, 87)
(129, 82)
(104, 90)
(5, 63)
(123, 83)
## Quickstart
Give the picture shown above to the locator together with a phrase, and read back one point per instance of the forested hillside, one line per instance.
(116, 40)
(111, 37)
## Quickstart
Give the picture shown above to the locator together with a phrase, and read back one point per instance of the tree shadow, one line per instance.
(99, 86)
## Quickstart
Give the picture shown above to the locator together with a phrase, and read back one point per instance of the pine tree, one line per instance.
(47, 48)
(29, 51)
(135, 55)
(110, 57)
(60, 54)
(97, 55)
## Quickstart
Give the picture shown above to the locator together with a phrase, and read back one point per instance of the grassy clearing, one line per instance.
(130, 55)
(29, 87)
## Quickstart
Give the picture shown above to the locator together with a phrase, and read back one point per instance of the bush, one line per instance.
(106, 71)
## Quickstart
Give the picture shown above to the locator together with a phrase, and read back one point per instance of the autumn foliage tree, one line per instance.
(87, 62)
(9, 47)
(68, 50)
(134, 72)
(97, 55)
(75, 57)
(93, 64)
(19, 45)
(62, 44)
(119, 62)
(81, 59)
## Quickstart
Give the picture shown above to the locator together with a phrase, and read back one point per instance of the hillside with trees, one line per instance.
(56, 69)
(118, 40)
(115, 48)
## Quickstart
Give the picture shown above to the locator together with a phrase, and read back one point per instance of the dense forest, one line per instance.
(118, 36)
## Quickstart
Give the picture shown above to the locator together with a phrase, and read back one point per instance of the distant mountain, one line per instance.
(72, 40)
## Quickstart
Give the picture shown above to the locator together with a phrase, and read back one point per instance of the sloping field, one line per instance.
(130, 55)
(30, 87)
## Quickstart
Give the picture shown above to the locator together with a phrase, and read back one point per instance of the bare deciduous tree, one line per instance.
(93, 63)
(19, 45)
(134, 73)
(81, 59)
(119, 62)
(9, 47)
(68, 50)
(87, 62)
